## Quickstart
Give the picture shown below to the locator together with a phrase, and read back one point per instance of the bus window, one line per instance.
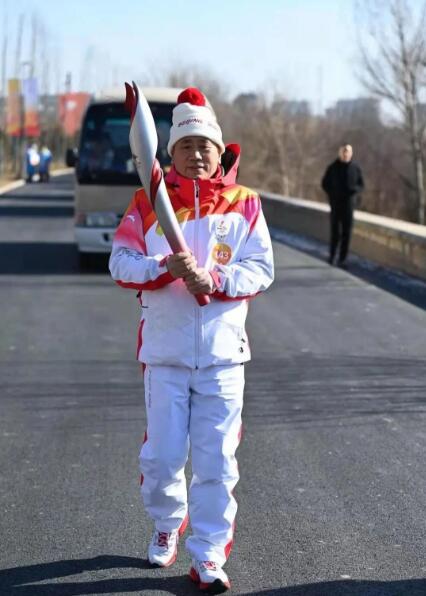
(104, 155)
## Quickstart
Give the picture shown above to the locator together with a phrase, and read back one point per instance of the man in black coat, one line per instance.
(342, 182)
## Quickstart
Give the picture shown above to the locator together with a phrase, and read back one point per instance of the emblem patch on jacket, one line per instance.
(221, 229)
(222, 253)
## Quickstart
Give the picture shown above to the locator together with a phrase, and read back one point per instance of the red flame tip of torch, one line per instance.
(131, 101)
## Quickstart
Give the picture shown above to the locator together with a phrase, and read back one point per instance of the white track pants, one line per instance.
(202, 409)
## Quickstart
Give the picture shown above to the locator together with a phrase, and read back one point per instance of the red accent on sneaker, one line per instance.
(215, 587)
(163, 539)
(171, 560)
(210, 565)
(194, 575)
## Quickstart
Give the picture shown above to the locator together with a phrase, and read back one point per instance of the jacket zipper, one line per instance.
(197, 308)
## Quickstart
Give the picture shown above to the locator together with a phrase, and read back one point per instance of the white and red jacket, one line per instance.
(225, 229)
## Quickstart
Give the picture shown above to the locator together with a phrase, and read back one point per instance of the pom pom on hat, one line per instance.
(193, 118)
(193, 96)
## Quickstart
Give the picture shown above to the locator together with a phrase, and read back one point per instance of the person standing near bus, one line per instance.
(32, 161)
(44, 165)
(194, 357)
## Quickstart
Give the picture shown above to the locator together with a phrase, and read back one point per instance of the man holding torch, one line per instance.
(193, 356)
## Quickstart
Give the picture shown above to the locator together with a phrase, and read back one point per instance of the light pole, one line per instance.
(22, 137)
(3, 93)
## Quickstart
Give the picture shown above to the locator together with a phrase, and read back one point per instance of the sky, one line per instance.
(300, 49)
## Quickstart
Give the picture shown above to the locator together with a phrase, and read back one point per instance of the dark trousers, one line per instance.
(341, 218)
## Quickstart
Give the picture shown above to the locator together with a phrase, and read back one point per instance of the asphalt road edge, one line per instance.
(18, 183)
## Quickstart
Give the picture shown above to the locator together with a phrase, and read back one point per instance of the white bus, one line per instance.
(105, 177)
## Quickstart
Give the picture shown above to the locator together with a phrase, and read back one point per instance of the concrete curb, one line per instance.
(61, 172)
(391, 243)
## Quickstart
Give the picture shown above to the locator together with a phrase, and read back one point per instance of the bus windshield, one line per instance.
(104, 153)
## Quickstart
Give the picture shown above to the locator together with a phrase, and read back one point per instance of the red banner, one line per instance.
(71, 109)
(13, 118)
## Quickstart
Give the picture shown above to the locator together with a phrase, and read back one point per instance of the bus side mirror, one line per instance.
(71, 157)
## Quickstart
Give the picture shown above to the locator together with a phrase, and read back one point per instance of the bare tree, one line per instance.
(193, 75)
(393, 61)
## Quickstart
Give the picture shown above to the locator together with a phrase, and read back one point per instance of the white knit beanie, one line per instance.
(193, 118)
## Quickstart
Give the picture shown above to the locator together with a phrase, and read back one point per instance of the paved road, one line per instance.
(332, 495)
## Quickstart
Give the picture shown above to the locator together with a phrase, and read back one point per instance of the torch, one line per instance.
(143, 144)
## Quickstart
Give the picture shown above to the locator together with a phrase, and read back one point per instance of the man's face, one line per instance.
(345, 153)
(196, 157)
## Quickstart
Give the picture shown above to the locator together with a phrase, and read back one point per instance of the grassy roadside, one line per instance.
(6, 179)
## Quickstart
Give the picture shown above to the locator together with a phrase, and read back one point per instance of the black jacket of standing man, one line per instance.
(342, 182)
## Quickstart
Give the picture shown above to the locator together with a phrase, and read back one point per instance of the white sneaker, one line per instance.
(162, 550)
(209, 576)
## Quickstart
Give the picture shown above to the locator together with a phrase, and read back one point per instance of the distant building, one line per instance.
(291, 107)
(361, 108)
(247, 101)
(48, 111)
